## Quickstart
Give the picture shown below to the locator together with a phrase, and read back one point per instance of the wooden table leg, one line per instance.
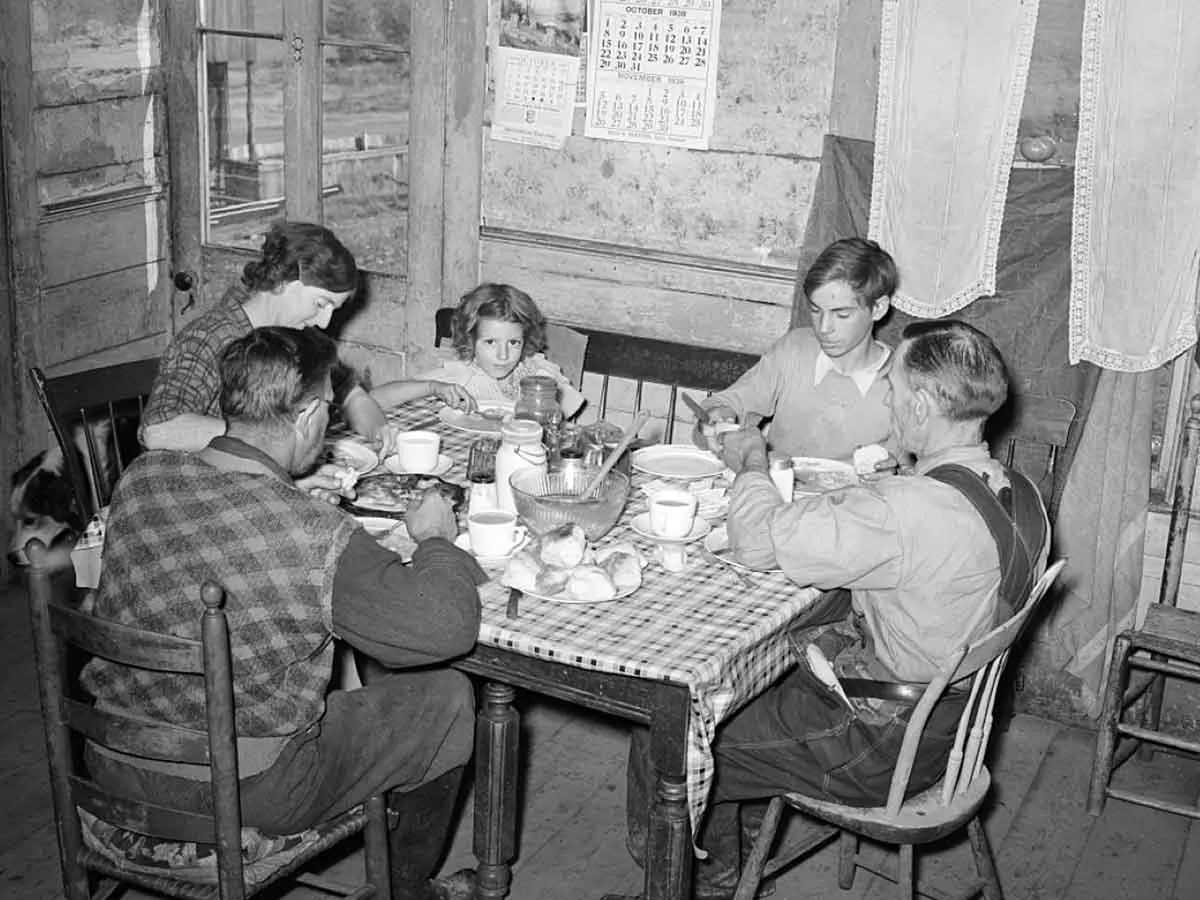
(669, 856)
(496, 735)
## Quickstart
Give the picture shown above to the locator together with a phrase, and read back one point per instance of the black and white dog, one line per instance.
(42, 503)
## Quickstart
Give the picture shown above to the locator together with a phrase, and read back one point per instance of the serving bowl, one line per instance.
(545, 500)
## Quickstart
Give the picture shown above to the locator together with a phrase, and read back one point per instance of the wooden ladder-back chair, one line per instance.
(931, 814)
(63, 633)
(1166, 645)
(1035, 441)
(90, 413)
(644, 361)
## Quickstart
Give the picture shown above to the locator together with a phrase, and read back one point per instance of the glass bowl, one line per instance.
(545, 500)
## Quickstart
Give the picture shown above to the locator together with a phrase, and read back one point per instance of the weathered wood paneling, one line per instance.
(103, 238)
(68, 187)
(108, 310)
(85, 136)
(752, 190)
(646, 297)
(718, 205)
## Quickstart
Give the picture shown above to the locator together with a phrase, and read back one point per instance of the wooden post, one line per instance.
(302, 127)
(426, 159)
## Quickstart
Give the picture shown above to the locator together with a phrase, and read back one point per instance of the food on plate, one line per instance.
(347, 476)
(823, 474)
(866, 457)
(560, 563)
(397, 491)
(563, 546)
(592, 584)
(624, 570)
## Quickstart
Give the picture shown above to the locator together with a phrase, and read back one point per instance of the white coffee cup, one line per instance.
(672, 513)
(494, 532)
(417, 451)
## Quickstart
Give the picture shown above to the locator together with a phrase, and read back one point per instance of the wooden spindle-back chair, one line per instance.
(929, 815)
(62, 635)
(94, 415)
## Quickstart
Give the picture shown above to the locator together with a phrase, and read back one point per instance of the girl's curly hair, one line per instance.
(497, 301)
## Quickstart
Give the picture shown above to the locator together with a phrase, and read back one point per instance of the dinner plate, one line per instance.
(463, 542)
(444, 465)
(814, 474)
(473, 423)
(641, 525)
(353, 453)
(718, 541)
(564, 597)
(677, 461)
(378, 526)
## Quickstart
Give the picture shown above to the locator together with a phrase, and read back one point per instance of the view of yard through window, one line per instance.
(365, 125)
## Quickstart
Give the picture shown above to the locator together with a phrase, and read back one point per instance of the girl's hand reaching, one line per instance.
(453, 395)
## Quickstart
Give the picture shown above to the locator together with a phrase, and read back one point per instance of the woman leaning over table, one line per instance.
(302, 275)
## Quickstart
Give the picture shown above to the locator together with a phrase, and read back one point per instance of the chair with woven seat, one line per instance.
(931, 814)
(111, 397)
(114, 822)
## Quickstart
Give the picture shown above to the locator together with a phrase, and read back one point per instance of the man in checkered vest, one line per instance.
(296, 571)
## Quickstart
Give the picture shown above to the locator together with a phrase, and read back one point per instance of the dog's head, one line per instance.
(42, 505)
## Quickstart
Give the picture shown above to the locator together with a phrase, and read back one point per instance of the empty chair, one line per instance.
(932, 814)
(94, 415)
(126, 838)
(1167, 645)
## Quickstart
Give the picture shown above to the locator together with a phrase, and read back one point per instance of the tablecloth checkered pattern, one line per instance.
(700, 628)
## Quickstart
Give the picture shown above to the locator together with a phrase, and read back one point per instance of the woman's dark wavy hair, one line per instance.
(497, 301)
(302, 251)
(864, 265)
(958, 365)
(269, 374)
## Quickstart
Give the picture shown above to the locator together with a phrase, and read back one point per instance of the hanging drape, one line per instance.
(1136, 237)
(951, 83)
(1101, 528)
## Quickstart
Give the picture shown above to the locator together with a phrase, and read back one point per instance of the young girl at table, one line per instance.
(823, 386)
(499, 337)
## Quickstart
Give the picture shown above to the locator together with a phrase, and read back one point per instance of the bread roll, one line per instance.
(590, 584)
(522, 571)
(563, 546)
(624, 570)
(551, 580)
(627, 547)
(867, 456)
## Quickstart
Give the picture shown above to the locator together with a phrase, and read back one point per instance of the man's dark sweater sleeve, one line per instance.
(407, 615)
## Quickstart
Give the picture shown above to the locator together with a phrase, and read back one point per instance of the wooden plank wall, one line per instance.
(709, 211)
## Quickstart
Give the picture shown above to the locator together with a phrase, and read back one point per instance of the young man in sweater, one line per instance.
(296, 571)
(821, 387)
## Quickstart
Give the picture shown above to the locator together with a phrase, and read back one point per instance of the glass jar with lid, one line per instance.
(539, 403)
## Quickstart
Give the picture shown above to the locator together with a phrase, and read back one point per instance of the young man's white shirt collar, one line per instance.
(863, 378)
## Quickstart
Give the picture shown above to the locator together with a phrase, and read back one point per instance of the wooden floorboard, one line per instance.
(573, 812)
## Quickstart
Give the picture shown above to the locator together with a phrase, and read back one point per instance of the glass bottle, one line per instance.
(520, 448)
(539, 403)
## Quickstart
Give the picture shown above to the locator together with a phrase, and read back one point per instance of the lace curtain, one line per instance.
(951, 83)
(1135, 246)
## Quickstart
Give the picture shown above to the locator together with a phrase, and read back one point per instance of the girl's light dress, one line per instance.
(493, 393)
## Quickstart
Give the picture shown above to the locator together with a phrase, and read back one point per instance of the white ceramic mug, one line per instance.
(494, 532)
(672, 513)
(417, 451)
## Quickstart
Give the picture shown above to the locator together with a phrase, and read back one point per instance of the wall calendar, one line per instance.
(652, 71)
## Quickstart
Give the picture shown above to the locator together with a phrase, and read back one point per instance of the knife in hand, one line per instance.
(700, 412)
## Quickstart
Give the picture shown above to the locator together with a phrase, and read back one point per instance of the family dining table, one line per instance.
(679, 655)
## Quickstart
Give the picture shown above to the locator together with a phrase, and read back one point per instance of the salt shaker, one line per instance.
(779, 467)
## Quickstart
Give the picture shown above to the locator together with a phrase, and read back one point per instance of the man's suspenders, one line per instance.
(1017, 524)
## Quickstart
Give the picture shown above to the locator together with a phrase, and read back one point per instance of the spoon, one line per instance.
(635, 426)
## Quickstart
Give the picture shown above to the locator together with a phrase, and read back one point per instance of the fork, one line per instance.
(741, 576)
